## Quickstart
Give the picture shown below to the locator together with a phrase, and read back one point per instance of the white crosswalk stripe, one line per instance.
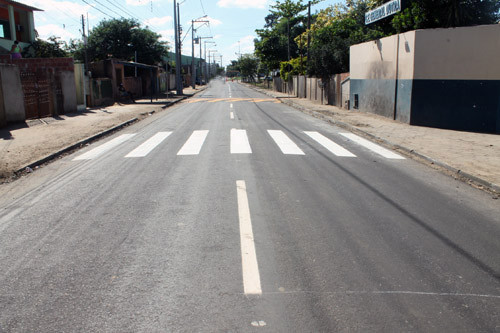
(239, 142)
(194, 143)
(104, 147)
(149, 145)
(286, 145)
(329, 144)
(373, 147)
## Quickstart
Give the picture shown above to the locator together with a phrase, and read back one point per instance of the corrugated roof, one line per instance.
(19, 5)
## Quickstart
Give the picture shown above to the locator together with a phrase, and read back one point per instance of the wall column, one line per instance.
(31, 27)
(12, 22)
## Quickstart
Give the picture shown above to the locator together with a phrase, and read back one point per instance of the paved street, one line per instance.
(236, 213)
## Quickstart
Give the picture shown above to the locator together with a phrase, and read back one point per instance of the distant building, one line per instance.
(16, 23)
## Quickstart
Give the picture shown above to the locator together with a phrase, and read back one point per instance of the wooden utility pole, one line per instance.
(178, 61)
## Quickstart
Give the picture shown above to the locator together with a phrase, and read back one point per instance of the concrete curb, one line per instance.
(464, 176)
(91, 138)
(76, 145)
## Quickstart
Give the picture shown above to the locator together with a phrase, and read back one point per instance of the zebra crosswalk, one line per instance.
(240, 144)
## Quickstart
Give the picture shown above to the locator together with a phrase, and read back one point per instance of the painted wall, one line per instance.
(68, 91)
(376, 66)
(3, 119)
(13, 97)
(457, 79)
(446, 78)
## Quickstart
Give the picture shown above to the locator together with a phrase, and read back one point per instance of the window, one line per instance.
(4, 29)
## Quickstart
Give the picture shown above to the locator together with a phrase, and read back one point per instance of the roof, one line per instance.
(20, 5)
(135, 64)
(185, 59)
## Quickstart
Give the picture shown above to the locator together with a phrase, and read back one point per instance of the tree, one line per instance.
(335, 30)
(120, 38)
(233, 69)
(424, 14)
(276, 41)
(248, 66)
(51, 48)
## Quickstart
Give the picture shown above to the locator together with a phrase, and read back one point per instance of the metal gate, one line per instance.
(37, 93)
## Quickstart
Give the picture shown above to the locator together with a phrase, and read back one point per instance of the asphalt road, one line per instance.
(235, 213)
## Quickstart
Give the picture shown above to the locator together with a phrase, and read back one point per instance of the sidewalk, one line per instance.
(471, 157)
(39, 140)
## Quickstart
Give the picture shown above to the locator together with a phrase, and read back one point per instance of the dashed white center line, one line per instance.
(239, 142)
(373, 147)
(329, 144)
(194, 143)
(231, 105)
(286, 145)
(149, 145)
(104, 147)
(250, 267)
(231, 115)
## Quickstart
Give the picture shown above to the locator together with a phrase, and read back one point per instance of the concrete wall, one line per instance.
(457, 78)
(376, 68)
(3, 119)
(446, 78)
(79, 82)
(134, 85)
(68, 91)
(13, 97)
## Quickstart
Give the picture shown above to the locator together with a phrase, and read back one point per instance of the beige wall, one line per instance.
(3, 118)
(468, 53)
(13, 96)
(377, 59)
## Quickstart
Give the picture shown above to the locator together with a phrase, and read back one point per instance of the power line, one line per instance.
(109, 9)
(202, 8)
(97, 9)
(121, 8)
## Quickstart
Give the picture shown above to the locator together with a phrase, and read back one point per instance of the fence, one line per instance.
(47, 87)
(327, 92)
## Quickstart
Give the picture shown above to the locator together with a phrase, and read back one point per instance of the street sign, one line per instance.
(387, 9)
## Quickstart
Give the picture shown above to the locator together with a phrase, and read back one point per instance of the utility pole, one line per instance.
(178, 63)
(85, 45)
(213, 59)
(205, 57)
(193, 69)
(308, 27)
(207, 64)
(288, 32)
(86, 66)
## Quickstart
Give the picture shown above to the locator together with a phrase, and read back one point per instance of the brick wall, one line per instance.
(57, 64)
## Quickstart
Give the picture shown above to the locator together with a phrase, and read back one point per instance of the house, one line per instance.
(16, 23)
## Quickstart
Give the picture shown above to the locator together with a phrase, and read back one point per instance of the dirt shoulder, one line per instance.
(25, 143)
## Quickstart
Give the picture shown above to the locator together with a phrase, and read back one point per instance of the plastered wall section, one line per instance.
(376, 68)
(69, 91)
(457, 78)
(3, 120)
(467, 53)
(13, 97)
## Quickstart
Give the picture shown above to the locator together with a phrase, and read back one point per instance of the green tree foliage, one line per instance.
(424, 14)
(51, 48)
(293, 67)
(248, 65)
(340, 26)
(120, 38)
(233, 69)
(336, 29)
(285, 22)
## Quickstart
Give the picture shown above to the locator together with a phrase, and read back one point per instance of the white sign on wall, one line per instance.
(387, 9)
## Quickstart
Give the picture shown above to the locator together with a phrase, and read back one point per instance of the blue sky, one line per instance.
(232, 22)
